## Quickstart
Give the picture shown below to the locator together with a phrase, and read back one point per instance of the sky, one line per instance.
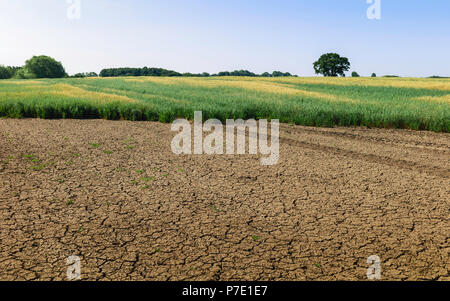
(412, 37)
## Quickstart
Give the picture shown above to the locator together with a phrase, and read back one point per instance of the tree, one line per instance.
(280, 74)
(355, 74)
(137, 72)
(332, 64)
(5, 73)
(85, 74)
(374, 75)
(43, 67)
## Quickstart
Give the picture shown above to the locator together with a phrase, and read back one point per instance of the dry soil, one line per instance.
(113, 193)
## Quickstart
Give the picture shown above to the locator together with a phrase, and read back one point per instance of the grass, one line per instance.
(255, 238)
(38, 167)
(413, 103)
(217, 210)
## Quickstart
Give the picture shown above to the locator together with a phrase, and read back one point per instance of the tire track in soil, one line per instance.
(403, 164)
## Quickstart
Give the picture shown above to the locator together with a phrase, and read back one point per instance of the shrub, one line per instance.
(43, 67)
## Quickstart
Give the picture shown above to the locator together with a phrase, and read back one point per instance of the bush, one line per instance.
(24, 73)
(355, 74)
(43, 67)
(374, 75)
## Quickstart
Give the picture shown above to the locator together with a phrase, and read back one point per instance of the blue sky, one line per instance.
(412, 38)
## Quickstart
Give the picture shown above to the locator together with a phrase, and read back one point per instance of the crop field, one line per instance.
(114, 194)
(406, 103)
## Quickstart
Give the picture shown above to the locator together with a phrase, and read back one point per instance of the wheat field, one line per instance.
(410, 103)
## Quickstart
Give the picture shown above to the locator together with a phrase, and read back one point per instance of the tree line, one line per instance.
(329, 64)
(115, 72)
(47, 67)
(36, 67)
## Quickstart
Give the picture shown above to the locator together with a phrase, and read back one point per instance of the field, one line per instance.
(407, 103)
(113, 193)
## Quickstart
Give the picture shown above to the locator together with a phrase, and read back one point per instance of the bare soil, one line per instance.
(113, 193)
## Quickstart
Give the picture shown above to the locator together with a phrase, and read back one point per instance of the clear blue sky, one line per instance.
(411, 39)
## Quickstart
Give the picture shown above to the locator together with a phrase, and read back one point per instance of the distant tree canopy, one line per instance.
(438, 76)
(7, 72)
(374, 75)
(47, 67)
(42, 67)
(85, 74)
(4, 73)
(355, 74)
(332, 64)
(113, 72)
(204, 74)
(278, 74)
(237, 73)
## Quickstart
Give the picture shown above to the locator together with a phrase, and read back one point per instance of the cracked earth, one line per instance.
(112, 193)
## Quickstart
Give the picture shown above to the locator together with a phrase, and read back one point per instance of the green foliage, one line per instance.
(204, 74)
(43, 67)
(85, 74)
(237, 73)
(7, 72)
(24, 73)
(115, 72)
(331, 64)
(355, 74)
(373, 75)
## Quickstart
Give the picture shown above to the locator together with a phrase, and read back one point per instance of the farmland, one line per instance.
(405, 103)
(114, 194)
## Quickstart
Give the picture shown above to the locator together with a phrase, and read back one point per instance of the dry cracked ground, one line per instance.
(113, 193)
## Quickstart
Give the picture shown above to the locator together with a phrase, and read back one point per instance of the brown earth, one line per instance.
(115, 195)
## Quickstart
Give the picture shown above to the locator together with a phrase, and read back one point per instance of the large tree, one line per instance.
(332, 64)
(44, 67)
